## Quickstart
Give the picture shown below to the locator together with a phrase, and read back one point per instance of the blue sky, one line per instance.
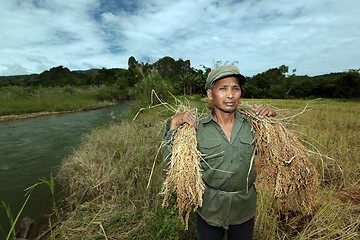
(313, 37)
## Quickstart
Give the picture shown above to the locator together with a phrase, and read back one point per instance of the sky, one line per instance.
(313, 37)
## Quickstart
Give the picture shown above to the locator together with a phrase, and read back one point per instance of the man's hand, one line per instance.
(264, 111)
(185, 117)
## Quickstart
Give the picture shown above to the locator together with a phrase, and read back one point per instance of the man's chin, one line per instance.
(226, 109)
(229, 110)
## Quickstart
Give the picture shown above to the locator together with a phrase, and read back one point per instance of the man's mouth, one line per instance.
(229, 103)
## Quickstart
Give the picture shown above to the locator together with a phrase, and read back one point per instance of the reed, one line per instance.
(9, 215)
(13, 222)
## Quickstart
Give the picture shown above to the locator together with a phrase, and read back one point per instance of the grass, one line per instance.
(22, 100)
(116, 161)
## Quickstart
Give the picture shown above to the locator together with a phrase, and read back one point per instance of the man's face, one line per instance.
(226, 94)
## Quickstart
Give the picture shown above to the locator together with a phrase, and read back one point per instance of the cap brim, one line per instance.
(242, 79)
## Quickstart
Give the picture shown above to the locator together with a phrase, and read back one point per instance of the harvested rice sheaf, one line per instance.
(184, 174)
(283, 169)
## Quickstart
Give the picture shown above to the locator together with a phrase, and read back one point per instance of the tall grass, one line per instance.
(116, 161)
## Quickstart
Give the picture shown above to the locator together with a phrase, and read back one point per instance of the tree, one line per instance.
(348, 85)
(125, 80)
(57, 76)
(143, 89)
(251, 91)
(3, 83)
(187, 82)
(105, 77)
(273, 76)
(179, 73)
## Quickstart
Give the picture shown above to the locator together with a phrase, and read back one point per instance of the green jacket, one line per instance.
(230, 196)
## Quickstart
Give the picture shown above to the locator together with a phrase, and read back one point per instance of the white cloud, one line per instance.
(315, 38)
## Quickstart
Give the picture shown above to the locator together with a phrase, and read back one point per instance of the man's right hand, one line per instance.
(185, 117)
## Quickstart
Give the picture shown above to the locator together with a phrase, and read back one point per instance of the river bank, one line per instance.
(32, 149)
(13, 117)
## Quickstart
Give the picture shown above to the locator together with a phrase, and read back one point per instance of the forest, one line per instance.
(179, 78)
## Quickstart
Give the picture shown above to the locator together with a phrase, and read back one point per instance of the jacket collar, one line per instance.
(210, 117)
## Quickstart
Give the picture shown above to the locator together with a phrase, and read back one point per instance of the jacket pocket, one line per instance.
(213, 156)
(211, 151)
(247, 146)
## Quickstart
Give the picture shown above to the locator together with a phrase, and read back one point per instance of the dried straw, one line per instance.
(282, 167)
(184, 174)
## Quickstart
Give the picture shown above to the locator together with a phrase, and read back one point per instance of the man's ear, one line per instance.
(209, 94)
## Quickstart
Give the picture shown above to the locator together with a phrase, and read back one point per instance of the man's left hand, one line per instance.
(264, 111)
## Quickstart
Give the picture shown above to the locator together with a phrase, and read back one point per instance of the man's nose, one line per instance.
(230, 94)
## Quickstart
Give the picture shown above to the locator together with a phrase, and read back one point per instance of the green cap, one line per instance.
(222, 72)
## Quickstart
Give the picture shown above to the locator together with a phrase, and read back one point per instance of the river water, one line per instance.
(31, 149)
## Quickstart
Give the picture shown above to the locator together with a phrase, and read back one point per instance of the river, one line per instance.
(31, 149)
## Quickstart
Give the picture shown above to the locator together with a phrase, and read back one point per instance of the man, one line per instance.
(228, 145)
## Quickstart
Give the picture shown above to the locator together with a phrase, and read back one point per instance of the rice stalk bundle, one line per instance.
(184, 175)
(283, 169)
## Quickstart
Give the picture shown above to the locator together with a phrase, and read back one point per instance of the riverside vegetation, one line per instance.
(116, 161)
(18, 102)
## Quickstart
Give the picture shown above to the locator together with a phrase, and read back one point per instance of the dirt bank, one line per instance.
(8, 118)
(13, 117)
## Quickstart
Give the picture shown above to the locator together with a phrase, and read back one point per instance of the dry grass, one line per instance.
(332, 219)
(115, 163)
(184, 174)
(349, 195)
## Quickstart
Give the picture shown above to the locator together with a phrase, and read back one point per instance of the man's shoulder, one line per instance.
(242, 117)
(205, 119)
